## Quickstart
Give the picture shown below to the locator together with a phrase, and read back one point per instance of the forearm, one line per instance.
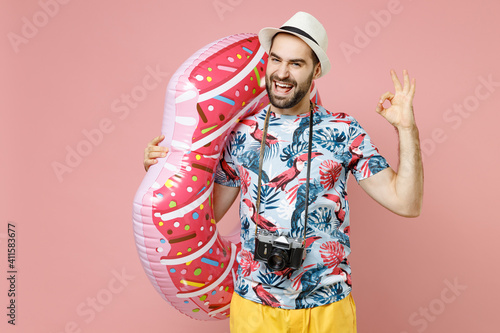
(409, 180)
(401, 192)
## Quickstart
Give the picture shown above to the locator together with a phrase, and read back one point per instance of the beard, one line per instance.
(288, 102)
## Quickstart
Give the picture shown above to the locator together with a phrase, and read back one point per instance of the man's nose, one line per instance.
(282, 71)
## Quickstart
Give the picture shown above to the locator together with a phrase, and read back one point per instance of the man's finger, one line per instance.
(157, 148)
(156, 154)
(387, 95)
(157, 140)
(412, 87)
(406, 79)
(395, 80)
(148, 163)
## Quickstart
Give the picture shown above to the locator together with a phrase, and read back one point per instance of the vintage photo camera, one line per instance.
(278, 251)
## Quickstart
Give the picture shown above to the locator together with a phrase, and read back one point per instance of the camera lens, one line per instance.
(277, 260)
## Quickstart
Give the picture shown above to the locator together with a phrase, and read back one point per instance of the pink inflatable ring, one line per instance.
(184, 256)
(186, 259)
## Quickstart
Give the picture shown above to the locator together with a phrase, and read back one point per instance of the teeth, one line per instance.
(283, 85)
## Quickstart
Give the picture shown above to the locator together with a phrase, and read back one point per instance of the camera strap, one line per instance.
(261, 160)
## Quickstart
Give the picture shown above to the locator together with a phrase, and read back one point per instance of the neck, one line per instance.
(304, 106)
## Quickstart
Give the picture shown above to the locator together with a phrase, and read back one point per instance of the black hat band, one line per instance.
(299, 31)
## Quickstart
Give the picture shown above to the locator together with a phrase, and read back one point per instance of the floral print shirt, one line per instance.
(339, 146)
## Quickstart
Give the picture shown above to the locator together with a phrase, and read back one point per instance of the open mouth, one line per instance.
(282, 88)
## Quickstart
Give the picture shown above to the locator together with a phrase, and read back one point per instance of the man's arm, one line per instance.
(224, 197)
(401, 192)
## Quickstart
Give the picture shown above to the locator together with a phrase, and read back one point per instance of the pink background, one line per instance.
(74, 232)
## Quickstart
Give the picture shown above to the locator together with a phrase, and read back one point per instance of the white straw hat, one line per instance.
(306, 27)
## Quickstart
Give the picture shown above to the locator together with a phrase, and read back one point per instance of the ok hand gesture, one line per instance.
(400, 113)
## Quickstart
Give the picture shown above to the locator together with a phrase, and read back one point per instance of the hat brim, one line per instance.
(266, 35)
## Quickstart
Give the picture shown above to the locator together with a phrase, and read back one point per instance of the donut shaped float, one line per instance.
(186, 259)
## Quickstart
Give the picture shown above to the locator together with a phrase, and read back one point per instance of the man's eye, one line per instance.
(296, 64)
(274, 60)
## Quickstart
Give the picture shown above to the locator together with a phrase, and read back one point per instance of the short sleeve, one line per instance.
(365, 158)
(227, 172)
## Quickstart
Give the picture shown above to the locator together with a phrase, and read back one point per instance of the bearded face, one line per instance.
(289, 73)
(285, 93)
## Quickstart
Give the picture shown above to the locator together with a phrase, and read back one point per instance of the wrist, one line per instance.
(412, 129)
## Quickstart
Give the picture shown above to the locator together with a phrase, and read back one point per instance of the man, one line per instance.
(315, 297)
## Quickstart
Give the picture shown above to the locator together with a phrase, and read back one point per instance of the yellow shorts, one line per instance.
(249, 317)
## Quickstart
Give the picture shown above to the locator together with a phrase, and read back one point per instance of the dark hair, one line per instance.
(314, 57)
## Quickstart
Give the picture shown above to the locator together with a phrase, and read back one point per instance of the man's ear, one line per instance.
(317, 71)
